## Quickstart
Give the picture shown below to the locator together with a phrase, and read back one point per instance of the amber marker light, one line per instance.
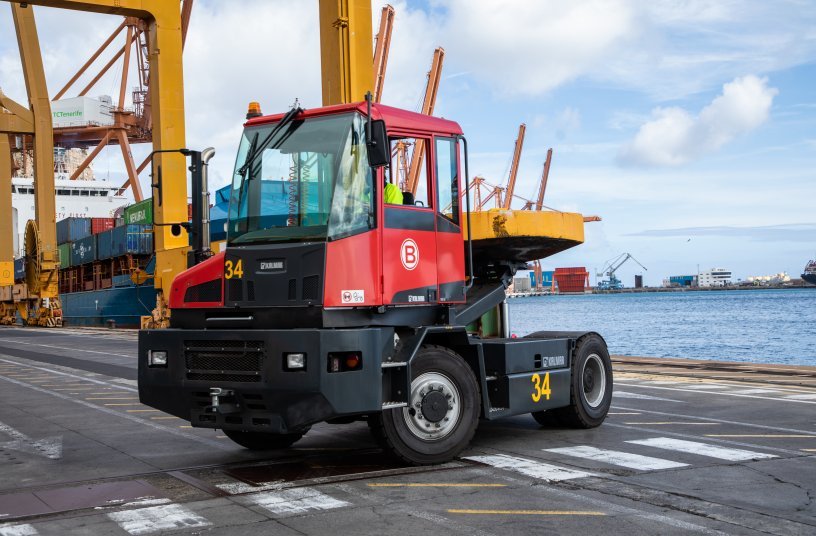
(253, 110)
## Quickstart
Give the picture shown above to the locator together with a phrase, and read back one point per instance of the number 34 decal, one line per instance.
(541, 388)
(234, 269)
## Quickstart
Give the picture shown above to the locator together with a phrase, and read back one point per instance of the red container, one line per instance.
(100, 225)
(571, 279)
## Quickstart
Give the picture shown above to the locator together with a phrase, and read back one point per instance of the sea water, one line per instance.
(759, 326)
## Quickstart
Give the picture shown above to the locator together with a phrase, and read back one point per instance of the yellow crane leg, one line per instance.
(43, 282)
(163, 18)
(346, 46)
(6, 230)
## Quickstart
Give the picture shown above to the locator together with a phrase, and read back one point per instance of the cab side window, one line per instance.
(447, 179)
(409, 164)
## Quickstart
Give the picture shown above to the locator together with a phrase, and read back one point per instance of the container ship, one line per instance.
(105, 249)
(809, 274)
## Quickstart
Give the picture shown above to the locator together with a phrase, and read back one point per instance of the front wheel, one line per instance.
(442, 414)
(590, 387)
(263, 440)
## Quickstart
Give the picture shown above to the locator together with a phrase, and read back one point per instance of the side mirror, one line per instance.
(379, 153)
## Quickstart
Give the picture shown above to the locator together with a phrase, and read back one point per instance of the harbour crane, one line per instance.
(511, 179)
(609, 269)
(381, 48)
(428, 103)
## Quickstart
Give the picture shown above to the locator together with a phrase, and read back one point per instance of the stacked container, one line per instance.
(73, 229)
(83, 251)
(64, 255)
(571, 279)
(139, 214)
(100, 225)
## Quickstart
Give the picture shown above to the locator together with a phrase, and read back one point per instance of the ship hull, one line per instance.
(122, 306)
(809, 278)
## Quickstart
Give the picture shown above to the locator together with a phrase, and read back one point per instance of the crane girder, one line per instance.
(381, 49)
(542, 187)
(428, 103)
(345, 50)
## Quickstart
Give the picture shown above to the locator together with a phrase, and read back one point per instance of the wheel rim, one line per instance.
(593, 379)
(435, 407)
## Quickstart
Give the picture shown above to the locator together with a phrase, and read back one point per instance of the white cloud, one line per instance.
(674, 137)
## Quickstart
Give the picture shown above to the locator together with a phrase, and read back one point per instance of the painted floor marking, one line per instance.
(702, 386)
(627, 394)
(241, 488)
(74, 376)
(720, 392)
(660, 423)
(702, 449)
(295, 501)
(157, 519)
(530, 512)
(535, 469)
(756, 392)
(65, 348)
(425, 485)
(614, 457)
(802, 397)
(770, 436)
(18, 530)
(623, 413)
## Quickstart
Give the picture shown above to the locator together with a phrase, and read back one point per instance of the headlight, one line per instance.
(295, 361)
(157, 358)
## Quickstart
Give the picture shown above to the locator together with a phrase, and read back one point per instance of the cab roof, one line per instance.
(396, 119)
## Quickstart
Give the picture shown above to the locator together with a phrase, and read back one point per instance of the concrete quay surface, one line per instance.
(689, 447)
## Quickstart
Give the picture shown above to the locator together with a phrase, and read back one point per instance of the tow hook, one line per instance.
(220, 406)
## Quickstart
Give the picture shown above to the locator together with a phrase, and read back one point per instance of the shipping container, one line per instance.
(100, 225)
(104, 245)
(571, 279)
(64, 255)
(131, 239)
(81, 111)
(139, 214)
(83, 251)
(73, 229)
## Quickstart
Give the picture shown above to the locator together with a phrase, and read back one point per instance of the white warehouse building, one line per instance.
(716, 277)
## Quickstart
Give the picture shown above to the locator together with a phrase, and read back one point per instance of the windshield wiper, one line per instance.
(252, 156)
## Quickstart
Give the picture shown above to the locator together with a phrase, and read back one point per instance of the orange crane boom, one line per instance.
(511, 180)
(542, 188)
(381, 48)
(431, 91)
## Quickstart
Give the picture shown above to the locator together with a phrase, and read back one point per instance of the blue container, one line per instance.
(547, 278)
(73, 229)
(104, 245)
(83, 251)
(131, 240)
(19, 269)
(124, 306)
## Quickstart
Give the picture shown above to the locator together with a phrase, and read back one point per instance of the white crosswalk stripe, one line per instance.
(614, 457)
(702, 449)
(808, 396)
(755, 391)
(535, 469)
(627, 394)
(157, 519)
(17, 530)
(295, 501)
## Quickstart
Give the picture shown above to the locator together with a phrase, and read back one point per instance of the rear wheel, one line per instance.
(590, 387)
(263, 440)
(442, 414)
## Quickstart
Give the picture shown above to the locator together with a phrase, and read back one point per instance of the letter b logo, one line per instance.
(409, 254)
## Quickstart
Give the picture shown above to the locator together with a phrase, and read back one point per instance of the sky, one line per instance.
(689, 126)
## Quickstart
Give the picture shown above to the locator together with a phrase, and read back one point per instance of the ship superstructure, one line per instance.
(809, 274)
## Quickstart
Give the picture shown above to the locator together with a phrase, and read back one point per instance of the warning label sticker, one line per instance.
(352, 296)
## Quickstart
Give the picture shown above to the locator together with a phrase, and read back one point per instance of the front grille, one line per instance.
(311, 287)
(235, 361)
(204, 292)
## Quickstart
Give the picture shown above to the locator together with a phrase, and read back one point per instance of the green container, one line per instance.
(65, 255)
(140, 214)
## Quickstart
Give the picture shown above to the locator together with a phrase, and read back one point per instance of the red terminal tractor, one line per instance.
(331, 305)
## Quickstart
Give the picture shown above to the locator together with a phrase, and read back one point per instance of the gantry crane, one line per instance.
(609, 269)
(428, 103)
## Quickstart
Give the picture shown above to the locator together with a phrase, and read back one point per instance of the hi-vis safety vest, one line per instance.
(392, 195)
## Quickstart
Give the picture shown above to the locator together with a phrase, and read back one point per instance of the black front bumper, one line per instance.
(251, 364)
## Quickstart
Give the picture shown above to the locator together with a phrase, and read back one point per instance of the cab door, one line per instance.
(409, 236)
(450, 252)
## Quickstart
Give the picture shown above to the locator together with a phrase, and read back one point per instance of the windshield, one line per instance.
(311, 182)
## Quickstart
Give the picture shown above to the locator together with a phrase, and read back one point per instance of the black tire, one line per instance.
(444, 373)
(263, 440)
(588, 405)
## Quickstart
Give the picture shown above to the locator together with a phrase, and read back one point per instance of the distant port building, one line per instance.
(680, 281)
(715, 277)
